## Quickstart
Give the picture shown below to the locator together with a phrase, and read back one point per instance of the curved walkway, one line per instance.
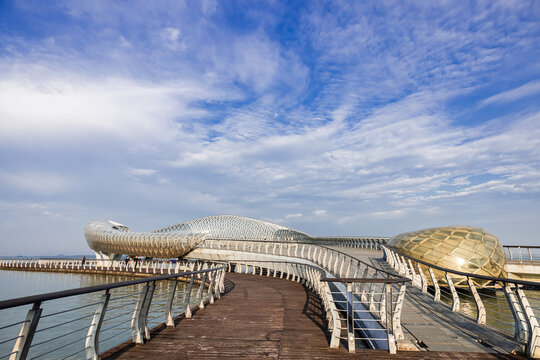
(260, 317)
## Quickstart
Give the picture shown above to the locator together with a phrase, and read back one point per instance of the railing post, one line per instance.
(222, 282)
(392, 257)
(187, 305)
(399, 265)
(521, 331)
(389, 258)
(372, 307)
(437, 295)
(168, 307)
(138, 320)
(350, 319)
(201, 291)
(333, 322)
(423, 279)
(211, 289)
(533, 340)
(22, 345)
(455, 297)
(396, 316)
(92, 338)
(406, 271)
(363, 286)
(382, 304)
(347, 273)
(217, 284)
(392, 348)
(341, 267)
(481, 310)
(415, 280)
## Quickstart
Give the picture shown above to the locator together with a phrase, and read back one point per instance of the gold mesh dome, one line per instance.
(462, 248)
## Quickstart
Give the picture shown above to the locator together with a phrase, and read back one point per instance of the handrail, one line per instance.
(398, 280)
(522, 246)
(360, 261)
(211, 286)
(210, 243)
(533, 255)
(25, 300)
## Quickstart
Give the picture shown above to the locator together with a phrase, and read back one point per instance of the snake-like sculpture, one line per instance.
(110, 239)
(113, 239)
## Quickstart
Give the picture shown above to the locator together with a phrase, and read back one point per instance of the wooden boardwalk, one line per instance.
(260, 317)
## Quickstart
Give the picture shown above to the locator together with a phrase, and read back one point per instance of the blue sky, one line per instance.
(334, 118)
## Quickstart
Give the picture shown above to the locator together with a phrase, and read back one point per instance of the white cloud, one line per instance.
(388, 214)
(293, 216)
(143, 172)
(171, 37)
(256, 61)
(209, 7)
(38, 182)
(348, 121)
(71, 107)
(528, 89)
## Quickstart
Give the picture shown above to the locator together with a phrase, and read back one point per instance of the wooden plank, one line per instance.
(260, 318)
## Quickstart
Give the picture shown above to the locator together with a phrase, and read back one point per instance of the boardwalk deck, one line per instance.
(261, 318)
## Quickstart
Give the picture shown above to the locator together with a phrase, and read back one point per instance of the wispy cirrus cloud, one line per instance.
(333, 118)
(529, 89)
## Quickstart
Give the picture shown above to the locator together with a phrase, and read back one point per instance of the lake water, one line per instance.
(68, 340)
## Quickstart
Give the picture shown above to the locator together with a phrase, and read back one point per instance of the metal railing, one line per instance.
(362, 294)
(365, 242)
(98, 265)
(370, 311)
(522, 252)
(362, 242)
(507, 305)
(106, 313)
(334, 261)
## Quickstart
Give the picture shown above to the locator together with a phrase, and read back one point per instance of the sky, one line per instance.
(366, 118)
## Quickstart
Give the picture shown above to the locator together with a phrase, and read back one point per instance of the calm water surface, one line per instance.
(67, 340)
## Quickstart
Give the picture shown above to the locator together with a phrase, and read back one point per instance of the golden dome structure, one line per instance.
(461, 248)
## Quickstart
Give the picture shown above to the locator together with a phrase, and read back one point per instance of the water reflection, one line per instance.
(62, 329)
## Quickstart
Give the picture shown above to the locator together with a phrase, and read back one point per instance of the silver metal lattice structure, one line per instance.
(230, 227)
(112, 239)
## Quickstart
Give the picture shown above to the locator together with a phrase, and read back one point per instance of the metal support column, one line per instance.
(92, 338)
